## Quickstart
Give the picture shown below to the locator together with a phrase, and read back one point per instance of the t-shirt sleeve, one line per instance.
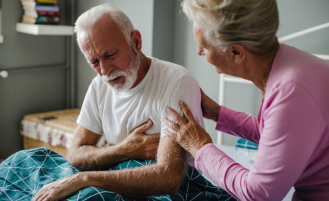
(185, 89)
(89, 117)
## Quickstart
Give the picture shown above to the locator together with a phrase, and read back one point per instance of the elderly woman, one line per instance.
(292, 128)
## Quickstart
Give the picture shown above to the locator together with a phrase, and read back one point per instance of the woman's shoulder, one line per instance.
(295, 66)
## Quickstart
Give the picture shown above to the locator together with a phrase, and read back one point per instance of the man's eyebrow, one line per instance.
(90, 58)
(107, 51)
(110, 51)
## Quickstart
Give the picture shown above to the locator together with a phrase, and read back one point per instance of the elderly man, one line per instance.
(130, 89)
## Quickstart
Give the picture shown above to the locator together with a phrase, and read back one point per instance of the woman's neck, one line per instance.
(259, 68)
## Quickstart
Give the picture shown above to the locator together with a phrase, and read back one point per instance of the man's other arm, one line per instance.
(84, 155)
(161, 178)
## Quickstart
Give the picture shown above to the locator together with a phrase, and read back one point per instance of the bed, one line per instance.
(24, 173)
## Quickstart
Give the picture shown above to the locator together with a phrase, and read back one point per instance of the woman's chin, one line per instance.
(218, 71)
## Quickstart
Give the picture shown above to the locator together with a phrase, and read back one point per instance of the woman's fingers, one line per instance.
(176, 116)
(188, 114)
(172, 125)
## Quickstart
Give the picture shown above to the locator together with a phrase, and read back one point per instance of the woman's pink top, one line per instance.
(292, 130)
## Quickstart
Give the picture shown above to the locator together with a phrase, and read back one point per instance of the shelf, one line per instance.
(35, 29)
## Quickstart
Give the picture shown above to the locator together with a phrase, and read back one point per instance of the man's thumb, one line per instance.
(144, 127)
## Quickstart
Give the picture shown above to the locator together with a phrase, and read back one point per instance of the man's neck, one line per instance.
(144, 67)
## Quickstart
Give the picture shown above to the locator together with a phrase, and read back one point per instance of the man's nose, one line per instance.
(106, 68)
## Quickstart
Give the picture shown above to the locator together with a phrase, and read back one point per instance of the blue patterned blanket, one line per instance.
(23, 174)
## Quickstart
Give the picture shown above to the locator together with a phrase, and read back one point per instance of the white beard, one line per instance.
(129, 74)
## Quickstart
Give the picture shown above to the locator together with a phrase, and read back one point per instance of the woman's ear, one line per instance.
(136, 38)
(237, 53)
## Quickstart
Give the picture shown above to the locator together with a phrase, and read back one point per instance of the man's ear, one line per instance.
(136, 38)
(237, 53)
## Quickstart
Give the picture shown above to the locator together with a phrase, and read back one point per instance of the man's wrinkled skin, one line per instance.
(85, 156)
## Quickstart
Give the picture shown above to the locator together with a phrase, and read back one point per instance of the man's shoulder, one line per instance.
(170, 67)
(171, 72)
(170, 79)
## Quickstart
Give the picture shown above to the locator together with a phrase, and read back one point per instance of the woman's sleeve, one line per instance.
(238, 124)
(293, 129)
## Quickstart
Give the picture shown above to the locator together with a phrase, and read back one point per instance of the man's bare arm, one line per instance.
(84, 155)
(164, 177)
(158, 179)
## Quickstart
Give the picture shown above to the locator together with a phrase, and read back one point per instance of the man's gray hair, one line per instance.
(87, 20)
(250, 23)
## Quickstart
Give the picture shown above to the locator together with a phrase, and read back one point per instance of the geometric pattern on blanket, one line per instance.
(24, 173)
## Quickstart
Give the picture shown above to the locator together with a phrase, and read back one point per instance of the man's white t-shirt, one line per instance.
(116, 114)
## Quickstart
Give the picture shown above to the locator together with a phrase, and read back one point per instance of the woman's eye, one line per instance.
(94, 62)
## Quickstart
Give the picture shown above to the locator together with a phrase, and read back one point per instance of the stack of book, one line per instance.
(41, 12)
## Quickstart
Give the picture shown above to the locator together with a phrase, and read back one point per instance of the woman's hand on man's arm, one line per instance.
(210, 109)
(189, 134)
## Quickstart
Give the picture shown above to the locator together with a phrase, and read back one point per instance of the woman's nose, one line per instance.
(200, 51)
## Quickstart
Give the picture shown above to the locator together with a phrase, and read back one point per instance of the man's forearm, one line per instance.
(139, 182)
(158, 179)
(88, 157)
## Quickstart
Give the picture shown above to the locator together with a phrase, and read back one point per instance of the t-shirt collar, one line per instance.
(142, 84)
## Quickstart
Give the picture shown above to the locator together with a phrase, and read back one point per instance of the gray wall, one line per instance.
(295, 15)
(164, 30)
(24, 93)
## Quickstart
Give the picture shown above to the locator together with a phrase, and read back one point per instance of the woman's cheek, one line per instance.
(210, 58)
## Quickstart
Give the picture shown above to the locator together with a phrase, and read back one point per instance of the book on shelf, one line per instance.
(55, 20)
(32, 3)
(41, 12)
(41, 8)
(34, 13)
(41, 1)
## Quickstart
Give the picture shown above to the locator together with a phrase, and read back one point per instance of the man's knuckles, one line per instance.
(149, 142)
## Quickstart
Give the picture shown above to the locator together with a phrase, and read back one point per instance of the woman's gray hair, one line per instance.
(250, 23)
(87, 20)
